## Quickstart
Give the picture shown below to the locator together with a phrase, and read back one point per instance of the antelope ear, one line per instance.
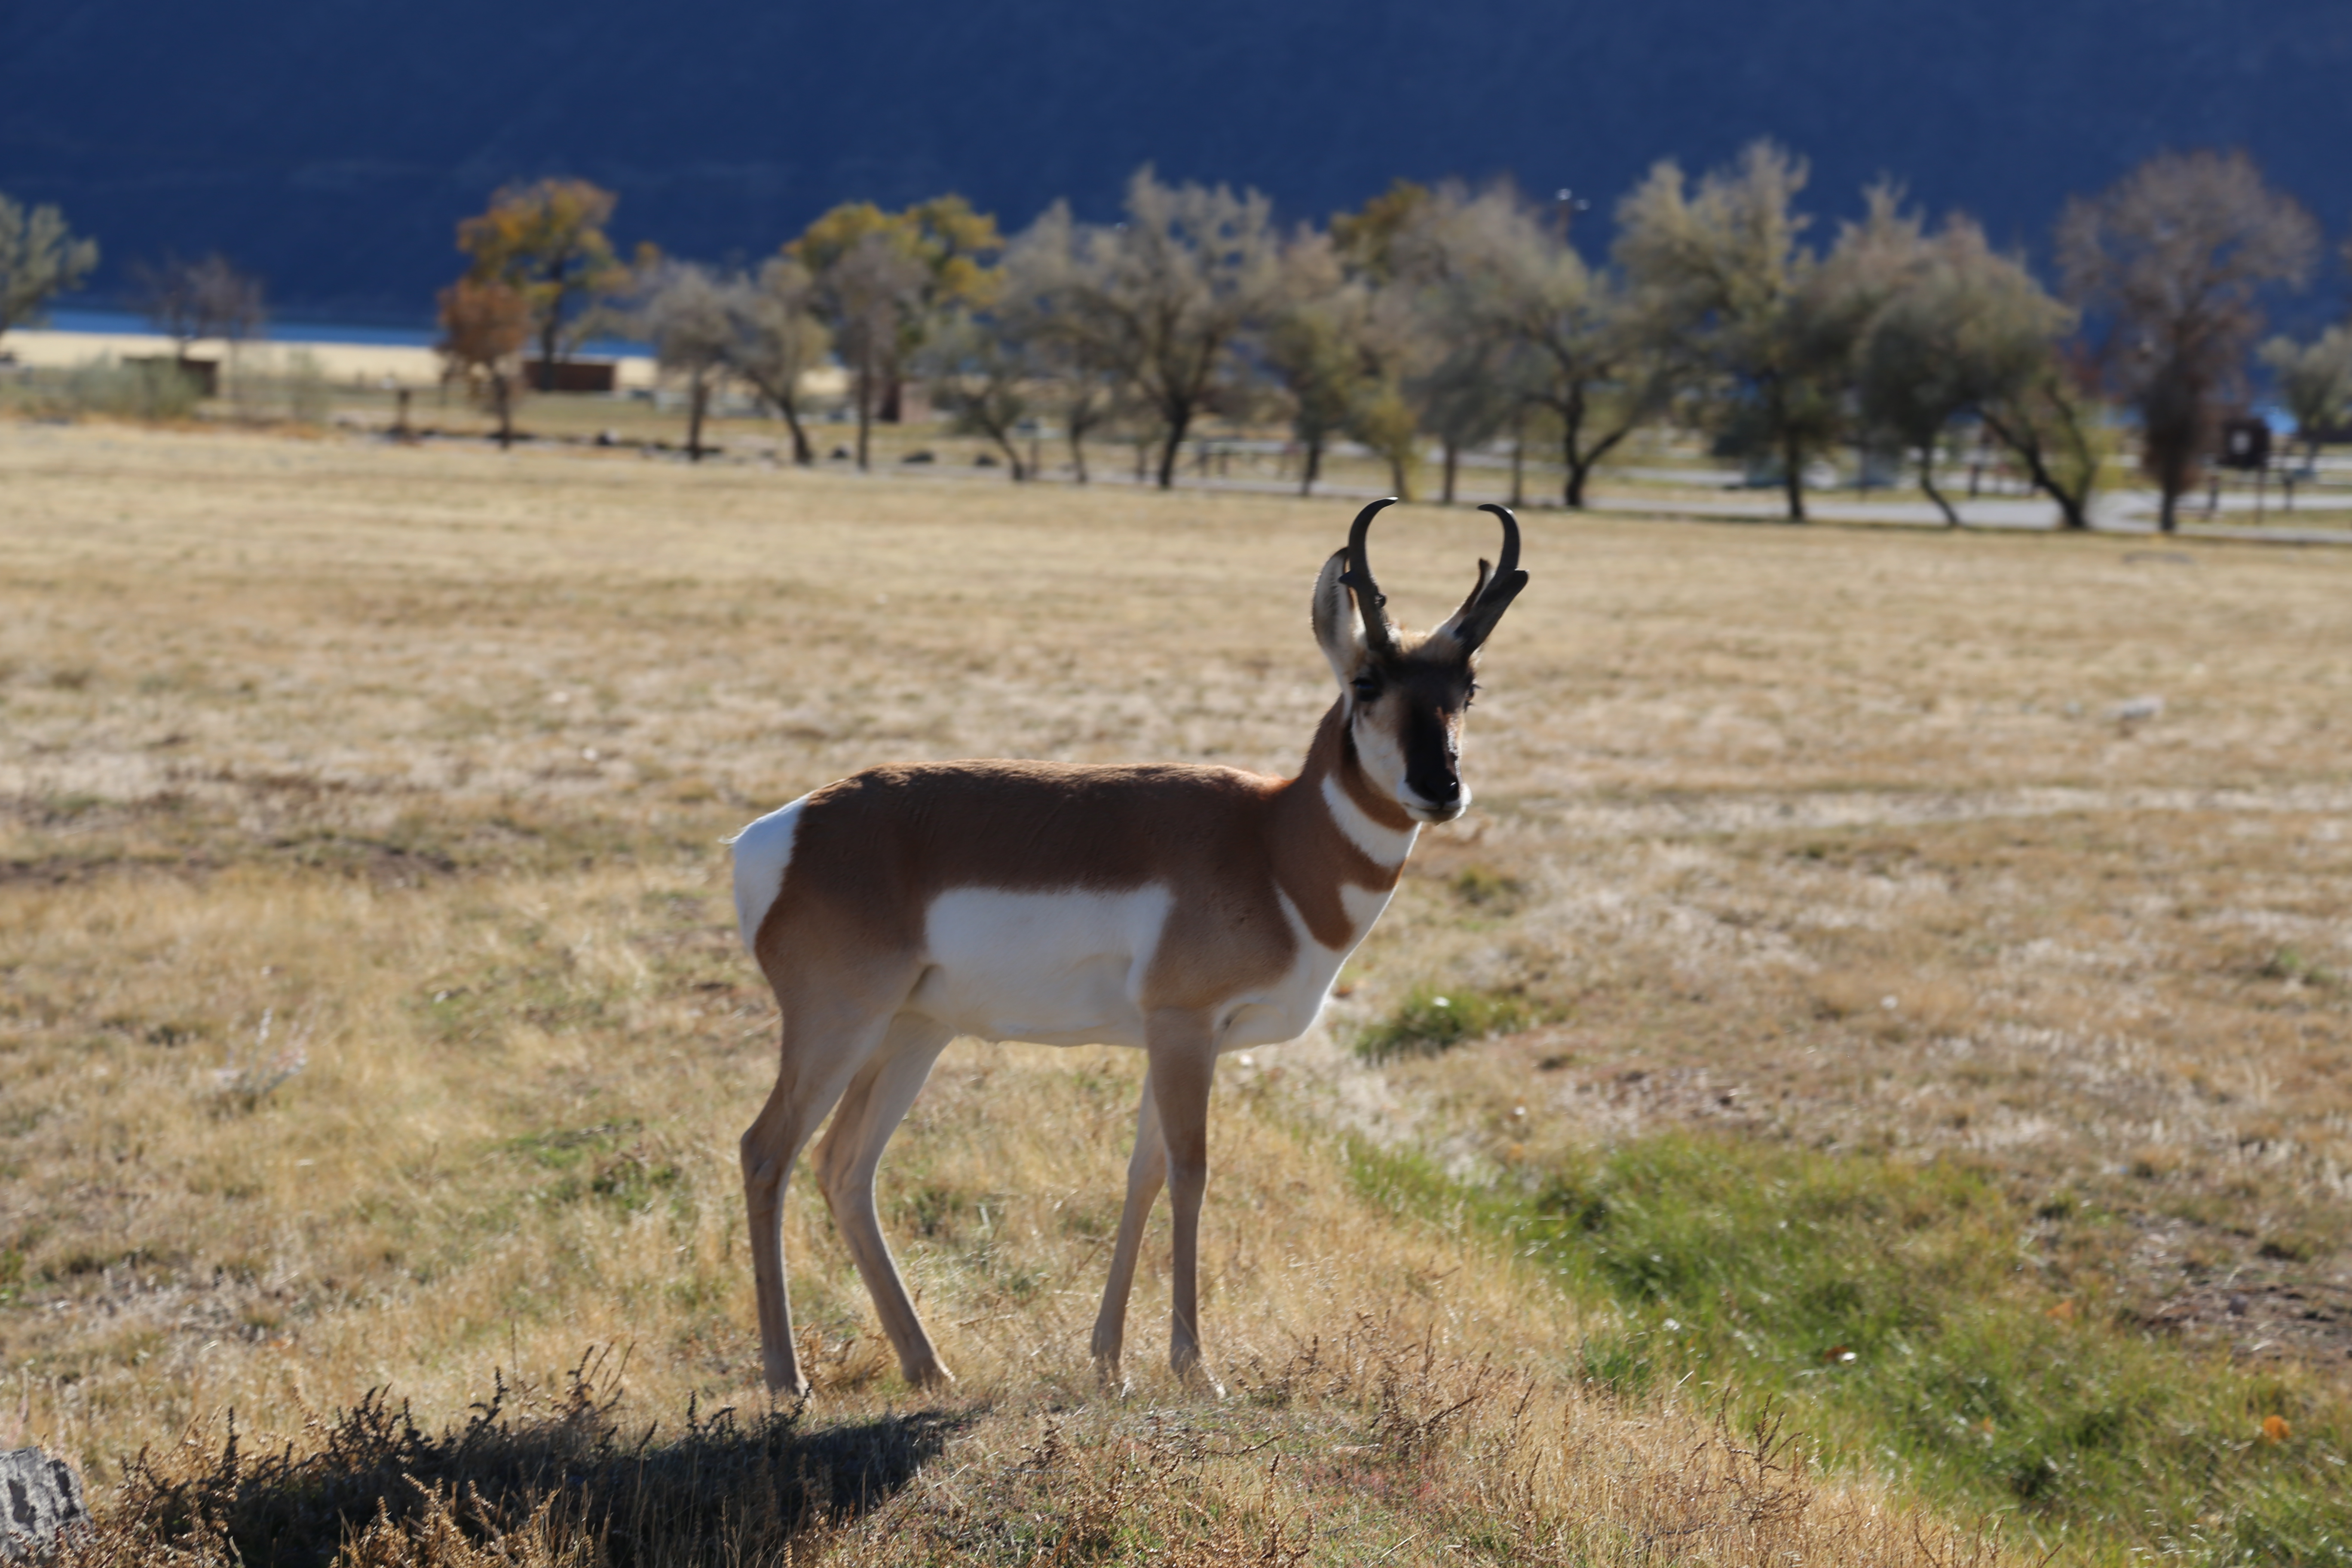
(1453, 627)
(1339, 628)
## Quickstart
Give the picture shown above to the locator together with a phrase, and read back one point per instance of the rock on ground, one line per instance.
(40, 1499)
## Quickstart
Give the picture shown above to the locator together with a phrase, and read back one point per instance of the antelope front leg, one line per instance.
(1183, 1061)
(1147, 1170)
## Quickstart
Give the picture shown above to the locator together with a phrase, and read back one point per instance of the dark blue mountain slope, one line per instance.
(331, 146)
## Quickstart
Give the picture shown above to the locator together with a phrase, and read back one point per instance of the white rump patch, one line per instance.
(763, 851)
(1386, 846)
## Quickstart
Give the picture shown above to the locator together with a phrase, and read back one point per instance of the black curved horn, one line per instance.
(1370, 603)
(1475, 620)
(1510, 561)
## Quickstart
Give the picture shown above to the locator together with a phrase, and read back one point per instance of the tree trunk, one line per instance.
(1792, 477)
(1519, 457)
(1453, 456)
(503, 399)
(1078, 450)
(802, 454)
(1310, 466)
(697, 399)
(1927, 483)
(2167, 521)
(1577, 463)
(1581, 464)
(2072, 515)
(547, 336)
(865, 409)
(1176, 422)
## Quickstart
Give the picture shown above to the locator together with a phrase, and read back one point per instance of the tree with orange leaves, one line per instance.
(484, 326)
(546, 241)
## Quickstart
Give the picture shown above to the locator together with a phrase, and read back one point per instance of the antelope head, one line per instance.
(1405, 695)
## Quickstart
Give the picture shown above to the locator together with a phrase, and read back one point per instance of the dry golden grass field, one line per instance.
(372, 1019)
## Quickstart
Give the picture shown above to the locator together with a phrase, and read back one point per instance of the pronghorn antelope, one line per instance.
(1186, 911)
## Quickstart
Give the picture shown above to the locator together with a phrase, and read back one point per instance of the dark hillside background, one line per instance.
(331, 146)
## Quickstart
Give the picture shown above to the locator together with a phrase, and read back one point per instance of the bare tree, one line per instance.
(866, 291)
(1089, 395)
(981, 373)
(2172, 261)
(1449, 251)
(775, 340)
(1577, 351)
(1962, 331)
(2052, 422)
(1392, 346)
(41, 259)
(2314, 381)
(1753, 321)
(1312, 342)
(1036, 288)
(484, 325)
(189, 300)
(1164, 295)
(686, 316)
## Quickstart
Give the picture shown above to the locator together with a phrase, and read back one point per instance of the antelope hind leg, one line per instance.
(808, 1081)
(846, 1160)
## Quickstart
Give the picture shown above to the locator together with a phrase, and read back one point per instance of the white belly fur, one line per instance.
(1055, 969)
(1068, 968)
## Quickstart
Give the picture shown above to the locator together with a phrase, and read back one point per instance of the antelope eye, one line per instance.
(1368, 688)
(1469, 694)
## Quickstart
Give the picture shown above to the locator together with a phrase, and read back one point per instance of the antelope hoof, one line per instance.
(930, 1377)
(1193, 1371)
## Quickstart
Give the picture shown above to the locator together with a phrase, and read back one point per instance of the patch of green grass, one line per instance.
(1900, 1309)
(609, 1162)
(1489, 890)
(2287, 964)
(1430, 1021)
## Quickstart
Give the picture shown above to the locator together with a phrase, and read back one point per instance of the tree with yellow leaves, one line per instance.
(546, 241)
(883, 280)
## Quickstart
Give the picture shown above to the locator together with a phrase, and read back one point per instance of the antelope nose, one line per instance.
(1449, 789)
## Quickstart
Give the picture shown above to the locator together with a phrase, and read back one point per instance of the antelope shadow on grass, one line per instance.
(719, 1487)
